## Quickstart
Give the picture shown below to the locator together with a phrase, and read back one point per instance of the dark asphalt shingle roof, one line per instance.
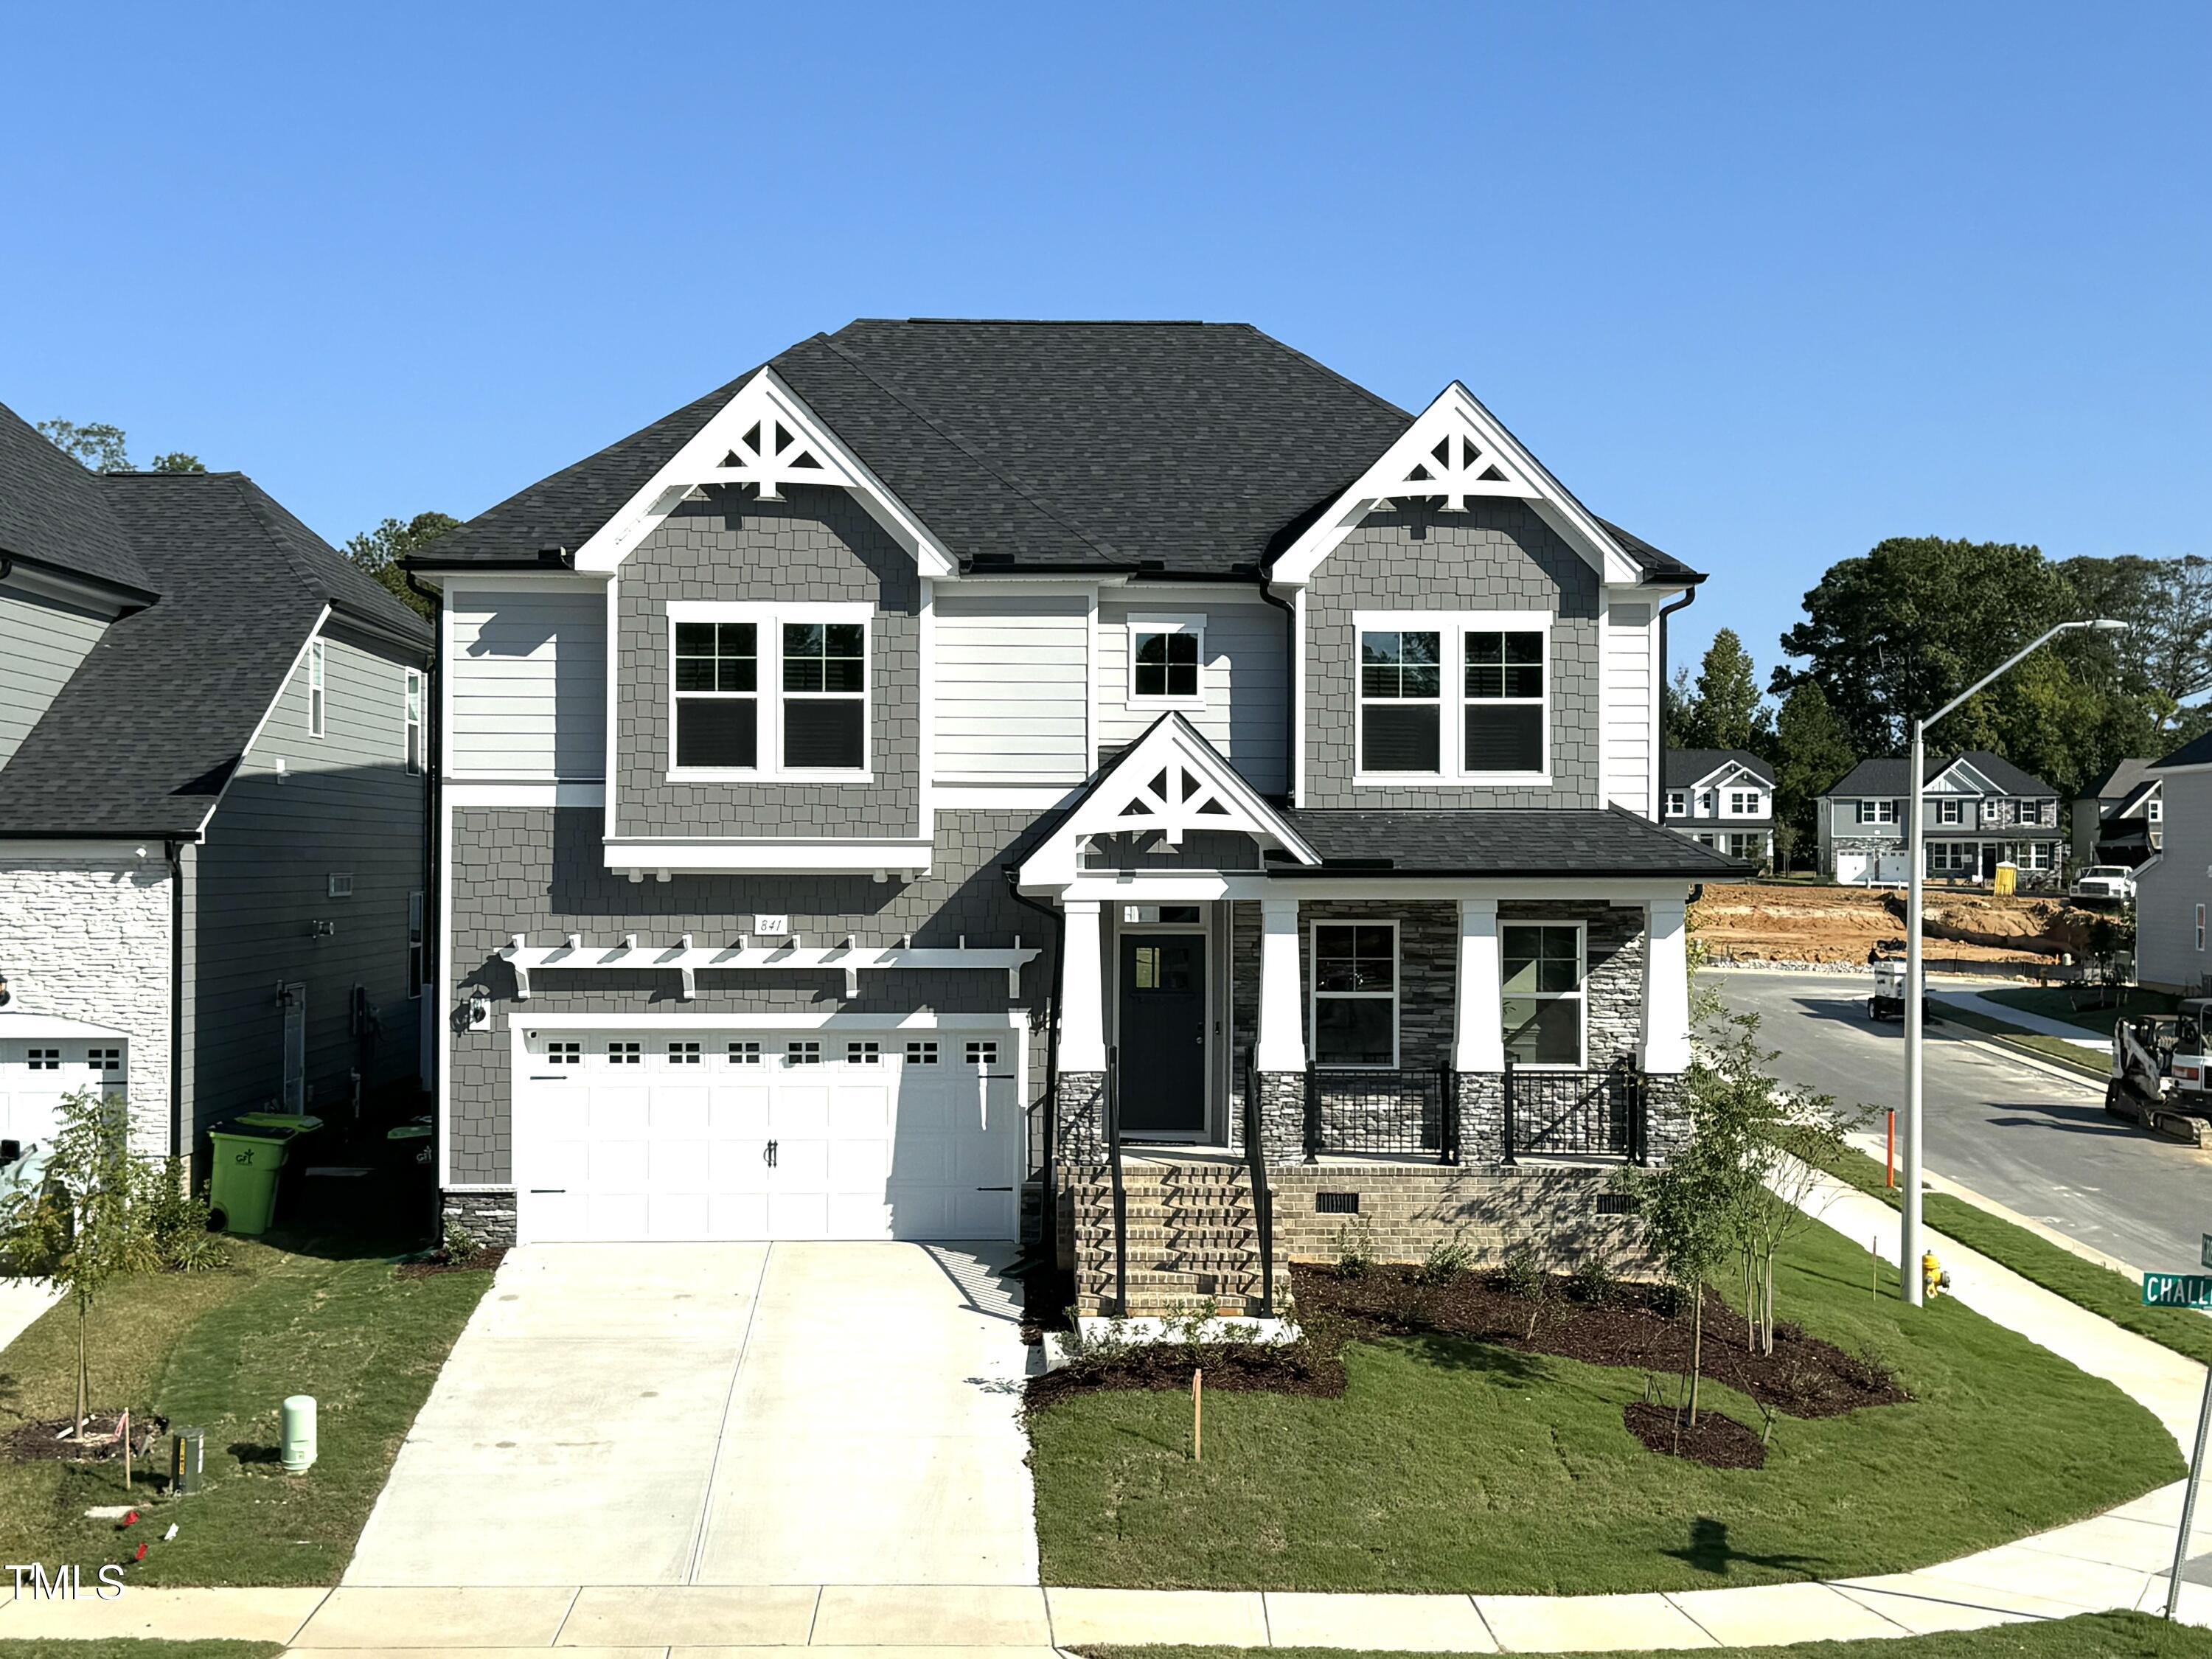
(54, 511)
(1886, 775)
(1596, 841)
(1684, 766)
(2124, 779)
(2196, 752)
(1200, 447)
(150, 727)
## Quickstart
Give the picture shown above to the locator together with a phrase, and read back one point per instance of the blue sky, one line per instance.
(1765, 283)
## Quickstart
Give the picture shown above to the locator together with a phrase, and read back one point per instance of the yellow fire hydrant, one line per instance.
(1934, 1281)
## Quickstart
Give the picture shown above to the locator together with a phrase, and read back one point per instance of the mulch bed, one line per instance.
(41, 1443)
(1048, 1292)
(1637, 1327)
(1719, 1442)
(1309, 1367)
(483, 1261)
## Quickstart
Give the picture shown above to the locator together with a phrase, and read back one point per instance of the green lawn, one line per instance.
(130, 1648)
(2056, 1002)
(2041, 1044)
(1450, 1464)
(2091, 1636)
(2102, 1292)
(220, 1352)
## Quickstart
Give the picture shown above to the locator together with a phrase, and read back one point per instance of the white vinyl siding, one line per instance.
(40, 645)
(1247, 691)
(528, 681)
(1010, 703)
(1627, 705)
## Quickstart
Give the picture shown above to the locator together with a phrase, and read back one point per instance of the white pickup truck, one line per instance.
(2106, 881)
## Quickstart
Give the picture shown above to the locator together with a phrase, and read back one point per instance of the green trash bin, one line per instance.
(248, 1153)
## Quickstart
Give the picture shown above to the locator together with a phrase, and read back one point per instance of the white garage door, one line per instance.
(747, 1135)
(1853, 868)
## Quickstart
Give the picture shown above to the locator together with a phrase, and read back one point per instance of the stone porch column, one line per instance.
(1666, 988)
(1478, 1034)
(1080, 1111)
(1279, 1055)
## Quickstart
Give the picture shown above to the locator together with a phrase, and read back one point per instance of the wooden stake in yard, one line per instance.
(1198, 1417)
(123, 1427)
(1874, 1249)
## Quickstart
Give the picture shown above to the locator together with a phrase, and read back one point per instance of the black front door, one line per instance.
(1163, 1034)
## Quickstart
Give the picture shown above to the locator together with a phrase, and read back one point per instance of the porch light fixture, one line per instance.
(6, 995)
(1908, 1233)
(478, 1009)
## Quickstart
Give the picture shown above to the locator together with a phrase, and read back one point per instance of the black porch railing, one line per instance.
(1263, 1201)
(1121, 1193)
(1576, 1114)
(1409, 1111)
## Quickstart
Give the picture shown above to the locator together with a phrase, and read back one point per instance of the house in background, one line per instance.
(1981, 811)
(2174, 886)
(872, 786)
(2120, 818)
(212, 802)
(1723, 799)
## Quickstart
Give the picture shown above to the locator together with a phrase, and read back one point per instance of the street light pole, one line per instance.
(1908, 1237)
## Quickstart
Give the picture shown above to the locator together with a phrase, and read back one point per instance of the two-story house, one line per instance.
(1723, 799)
(2173, 888)
(955, 753)
(1980, 810)
(2121, 818)
(214, 791)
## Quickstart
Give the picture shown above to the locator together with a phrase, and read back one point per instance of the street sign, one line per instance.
(2204, 1254)
(2176, 1291)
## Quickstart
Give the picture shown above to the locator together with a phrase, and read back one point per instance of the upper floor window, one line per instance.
(1505, 701)
(1401, 702)
(316, 697)
(1877, 811)
(413, 714)
(1950, 812)
(1678, 803)
(2154, 810)
(1743, 803)
(770, 691)
(1166, 655)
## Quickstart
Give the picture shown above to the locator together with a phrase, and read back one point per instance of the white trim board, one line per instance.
(640, 856)
(1014, 1019)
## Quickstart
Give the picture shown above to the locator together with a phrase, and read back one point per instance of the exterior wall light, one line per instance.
(479, 1009)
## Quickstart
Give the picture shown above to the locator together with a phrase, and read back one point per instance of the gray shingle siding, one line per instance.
(541, 872)
(820, 544)
(1497, 555)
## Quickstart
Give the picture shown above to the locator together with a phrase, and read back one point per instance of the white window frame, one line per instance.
(1744, 803)
(1950, 810)
(1877, 811)
(1677, 804)
(410, 706)
(1580, 993)
(769, 620)
(2154, 810)
(318, 689)
(1451, 629)
(1192, 624)
(1395, 995)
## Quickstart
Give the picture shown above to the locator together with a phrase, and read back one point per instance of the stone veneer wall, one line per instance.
(88, 937)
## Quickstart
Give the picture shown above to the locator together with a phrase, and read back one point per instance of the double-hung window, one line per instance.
(1743, 803)
(1355, 994)
(825, 688)
(1950, 812)
(1678, 803)
(412, 708)
(1505, 701)
(718, 694)
(316, 697)
(1166, 655)
(1542, 964)
(1400, 701)
(1877, 811)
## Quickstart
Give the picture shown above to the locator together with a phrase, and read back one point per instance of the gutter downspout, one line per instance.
(177, 1147)
(1292, 682)
(434, 951)
(1058, 918)
(1659, 783)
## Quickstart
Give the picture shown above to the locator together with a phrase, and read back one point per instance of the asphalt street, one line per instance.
(2036, 1142)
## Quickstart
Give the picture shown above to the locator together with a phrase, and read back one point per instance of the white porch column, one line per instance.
(1282, 1044)
(1666, 988)
(1081, 990)
(1479, 1013)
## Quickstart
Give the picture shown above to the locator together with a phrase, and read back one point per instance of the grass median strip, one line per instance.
(2089, 1635)
(128, 1647)
(2099, 1289)
(2041, 1044)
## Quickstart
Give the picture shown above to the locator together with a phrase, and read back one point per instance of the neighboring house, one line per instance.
(2173, 888)
(1723, 799)
(857, 780)
(2120, 818)
(1981, 811)
(213, 830)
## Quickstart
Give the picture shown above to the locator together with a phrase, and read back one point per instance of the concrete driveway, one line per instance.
(721, 1414)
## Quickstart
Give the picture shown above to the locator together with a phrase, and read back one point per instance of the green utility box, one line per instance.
(249, 1150)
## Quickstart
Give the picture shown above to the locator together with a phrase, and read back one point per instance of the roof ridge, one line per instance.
(247, 490)
(905, 401)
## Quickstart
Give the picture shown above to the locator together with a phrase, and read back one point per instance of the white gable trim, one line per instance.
(1458, 450)
(741, 444)
(1170, 780)
(1725, 774)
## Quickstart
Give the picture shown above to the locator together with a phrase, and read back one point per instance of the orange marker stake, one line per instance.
(1198, 1417)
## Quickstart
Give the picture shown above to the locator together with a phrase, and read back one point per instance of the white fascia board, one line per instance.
(1176, 887)
(1456, 415)
(764, 398)
(460, 586)
(1015, 1019)
(463, 789)
(90, 851)
(630, 853)
(1726, 772)
(13, 1027)
(246, 753)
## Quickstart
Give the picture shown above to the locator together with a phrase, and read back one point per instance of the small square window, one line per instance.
(1163, 665)
(682, 1054)
(744, 1053)
(45, 1060)
(863, 1053)
(983, 1054)
(104, 1059)
(922, 1053)
(341, 886)
(625, 1054)
(802, 1054)
(564, 1054)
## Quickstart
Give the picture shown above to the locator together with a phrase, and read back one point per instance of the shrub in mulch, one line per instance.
(1637, 1325)
(1719, 1442)
(43, 1441)
(482, 1262)
(1310, 1366)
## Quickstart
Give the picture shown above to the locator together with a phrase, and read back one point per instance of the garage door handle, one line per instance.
(768, 1154)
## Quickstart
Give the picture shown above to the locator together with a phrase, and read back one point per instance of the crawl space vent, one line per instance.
(1337, 1203)
(1616, 1204)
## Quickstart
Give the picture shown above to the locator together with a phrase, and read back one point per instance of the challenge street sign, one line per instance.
(2177, 1289)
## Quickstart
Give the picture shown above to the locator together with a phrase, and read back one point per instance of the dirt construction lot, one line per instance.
(1787, 922)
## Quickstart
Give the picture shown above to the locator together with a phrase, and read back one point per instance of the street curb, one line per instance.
(2024, 1056)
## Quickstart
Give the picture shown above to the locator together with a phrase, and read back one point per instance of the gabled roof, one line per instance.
(1597, 842)
(148, 729)
(53, 512)
(2120, 780)
(1190, 449)
(2136, 796)
(1886, 775)
(1685, 769)
(2196, 752)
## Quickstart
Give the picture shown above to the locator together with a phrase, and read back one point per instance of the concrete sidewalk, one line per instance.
(1980, 1002)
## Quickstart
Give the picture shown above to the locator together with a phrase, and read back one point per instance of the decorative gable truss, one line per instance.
(765, 437)
(1172, 781)
(1455, 452)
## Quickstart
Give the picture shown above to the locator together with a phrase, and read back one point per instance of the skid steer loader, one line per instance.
(2158, 1072)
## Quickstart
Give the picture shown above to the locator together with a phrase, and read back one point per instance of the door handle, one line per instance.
(768, 1154)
